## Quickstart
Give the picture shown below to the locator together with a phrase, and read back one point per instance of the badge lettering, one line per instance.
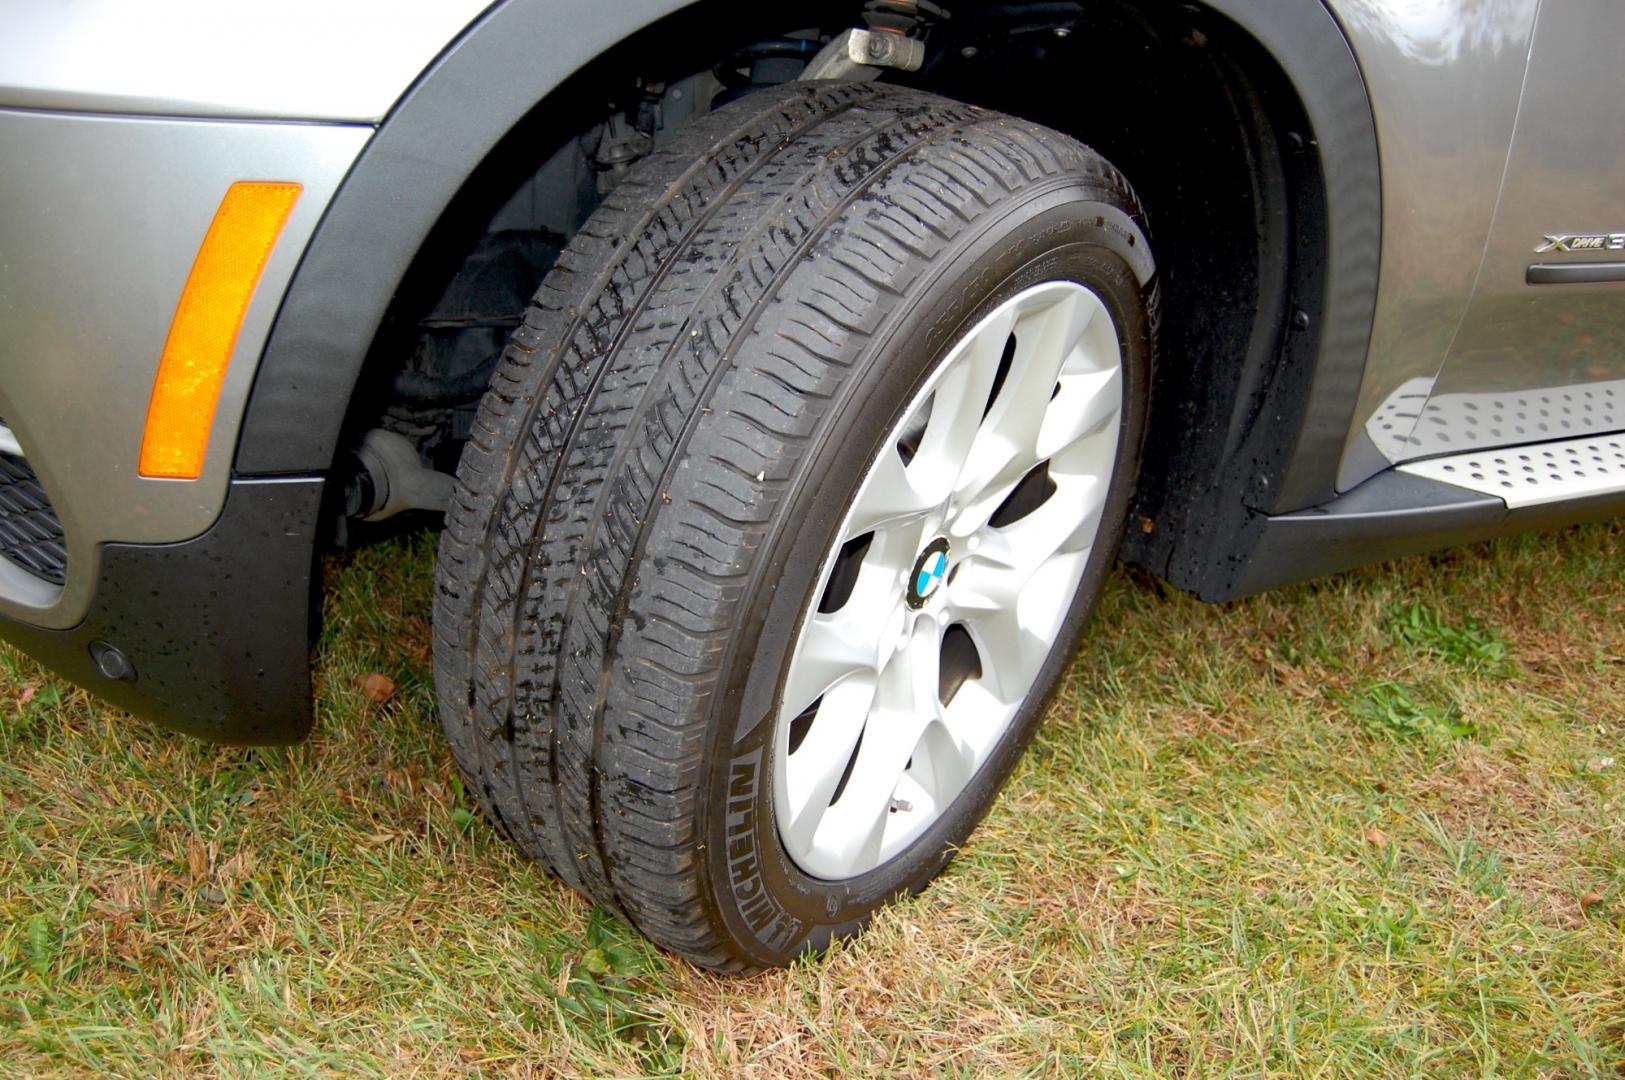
(1581, 242)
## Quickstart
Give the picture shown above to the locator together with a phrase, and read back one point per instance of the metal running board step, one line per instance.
(1534, 474)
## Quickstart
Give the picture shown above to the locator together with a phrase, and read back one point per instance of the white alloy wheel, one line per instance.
(950, 581)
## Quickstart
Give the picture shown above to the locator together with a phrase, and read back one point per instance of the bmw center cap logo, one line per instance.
(929, 570)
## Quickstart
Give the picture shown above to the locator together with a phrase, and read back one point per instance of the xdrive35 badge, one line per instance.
(1581, 242)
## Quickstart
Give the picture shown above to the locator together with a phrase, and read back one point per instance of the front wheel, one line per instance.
(787, 506)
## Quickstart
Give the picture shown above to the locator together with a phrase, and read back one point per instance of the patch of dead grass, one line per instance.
(1181, 879)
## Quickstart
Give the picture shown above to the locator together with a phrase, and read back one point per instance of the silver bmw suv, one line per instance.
(781, 379)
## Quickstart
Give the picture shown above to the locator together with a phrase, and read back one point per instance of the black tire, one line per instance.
(661, 463)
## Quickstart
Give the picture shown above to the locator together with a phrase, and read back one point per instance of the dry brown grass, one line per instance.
(1284, 836)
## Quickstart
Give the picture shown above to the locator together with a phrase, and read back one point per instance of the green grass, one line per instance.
(1373, 825)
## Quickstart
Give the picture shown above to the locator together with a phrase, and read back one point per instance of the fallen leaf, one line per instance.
(125, 891)
(236, 869)
(378, 687)
(1375, 836)
(27, 695)
(197, 859)
(1589, 901)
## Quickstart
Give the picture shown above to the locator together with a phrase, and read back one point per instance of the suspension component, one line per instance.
(859, 55)
(389, 477)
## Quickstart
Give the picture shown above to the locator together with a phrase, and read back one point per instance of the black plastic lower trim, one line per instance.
(211, 636)
(1390, 515)
(1574, 273)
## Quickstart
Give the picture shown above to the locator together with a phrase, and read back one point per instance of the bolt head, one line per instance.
(968, 51)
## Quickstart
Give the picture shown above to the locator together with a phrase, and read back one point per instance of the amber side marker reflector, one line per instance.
(204, 330)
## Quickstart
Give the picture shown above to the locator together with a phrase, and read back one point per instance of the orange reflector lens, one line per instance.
(204, 330)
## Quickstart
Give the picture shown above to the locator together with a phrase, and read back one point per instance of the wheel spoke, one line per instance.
(1011, 653)
(905, 703)
(1003, 468)
(987, 581)
(999, 458)
(1065, 522)
(942, 764)
(831, 648)
(889, 494)
(1046, 339)
(821, 759)
(1012, 438)
(989, 591)
(958, 405)
(1086, 403)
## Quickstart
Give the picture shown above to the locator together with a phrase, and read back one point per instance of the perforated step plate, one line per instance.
(1416, 419)
(1535, 474)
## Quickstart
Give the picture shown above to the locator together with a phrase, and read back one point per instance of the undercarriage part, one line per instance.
(766, 63)
(459, 340)
(390, 478)
(899, 16)
(622, 145)
(858, 55)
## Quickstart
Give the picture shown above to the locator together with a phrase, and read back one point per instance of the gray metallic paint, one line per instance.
(1549, 361)
(1444, 78)
(347, 60)
(89, 279)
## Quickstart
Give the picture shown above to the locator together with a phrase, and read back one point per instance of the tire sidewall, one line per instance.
(756, 895)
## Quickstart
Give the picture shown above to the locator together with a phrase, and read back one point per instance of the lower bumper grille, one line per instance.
(30, 534)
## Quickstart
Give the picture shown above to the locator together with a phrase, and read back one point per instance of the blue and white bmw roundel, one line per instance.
(930, 574)
(929, 570)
